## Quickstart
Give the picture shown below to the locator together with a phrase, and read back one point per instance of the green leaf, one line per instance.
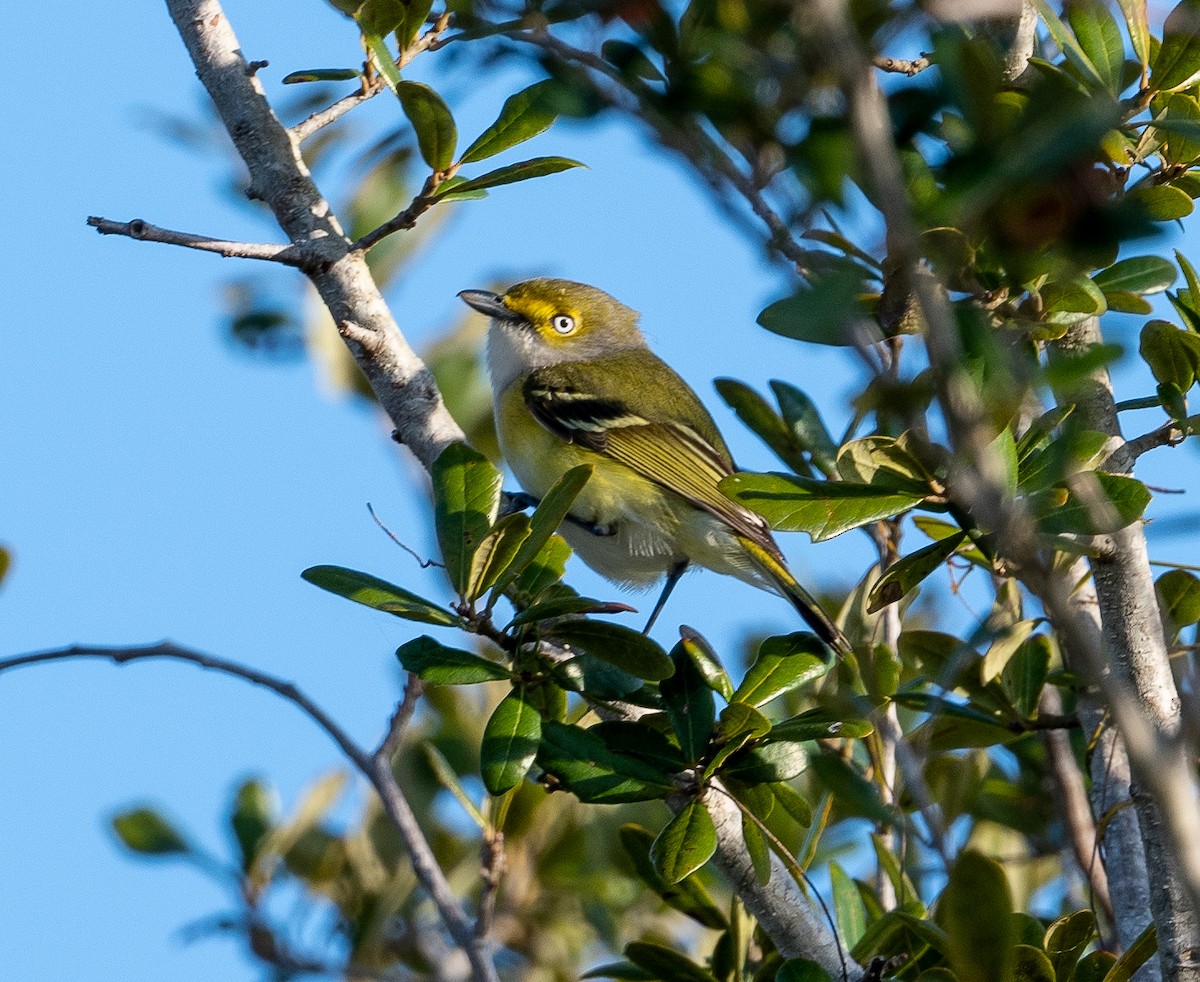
(434, 662)
(848, 906)
(380, 17)
(545, 572)
(524, 171)
(466, 497)
(496, 554)
(829, 312)
(689, 704)
(1137, 23)
(821, 508)
(688, 896)
(630, 650)
(1094, 966)
(792, 802)
(1173, 355)
(1178, 599)
(1181, 125)
(1071, 48)
(1135, 956)
(640, 740)
(737, 726)
(1003, 647)
(629, 59)
(806, 426)
(756, 848)
(1161, 202)
(758, 416)
(686, 843)
(904, 575)
(510, 743)
(1065, 941)
(1030, 964)
(625, 971)
(976, 910)
(706, 662)
(783, 663)
(415, 14)
(1138, 274)
(550, 513)
(1024, 676)
(1127, 303)
(1101, 41)
(801, 970)
(1071, 301)
(569, 604)
(1107, 503)
(437, 136)
(321, 75)
(252, 818)
(1177, 63)
(665, 963)
(145, 831)
(448, 778)
(449, 191)
(377, 47)
(370, 591)
(817, 724)
(581, 762)
(524, 116)
(854, 794)
(767, 763)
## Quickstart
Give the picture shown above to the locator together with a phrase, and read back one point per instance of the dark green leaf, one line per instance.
(581, 762)
(625, 971)
(496, 554)
(437, 136)
(738, 725)
(376, 593)
(545, 572)
(524, 171)
(569, 604)
(321, 75)
(415, 14)
(630, 650)
(806, 426)
(767, 763)
(1177, 63)
(756, 848)
(145, 831)
(783, 663)
(1071, 301)
(1070, 47)
(706, 662)
(524, 116)
(665, 963)
(1101, 504)
(821, 508)
(630, 59)
(1004, 645)
(466, 496)
(689, 704)
(1066, 939)
(1138, 274)
(252, 818)
(547, 516)
(1095, 966)
(1178, 599)
(827, 313)
(975, 910)
(380, 17)
(637, 739)
(848, 906)
(1127, 303)
(853, 793)
(510, 743)
(440, 665)
(1030, 964)
(904, 575)
(688, 896)
(817, 724)
(758, 416)
(792, 802)
(801, 970)
(1024, 676)
(1173, 355)
(448, 191)
(686, 843)
(1137, 23)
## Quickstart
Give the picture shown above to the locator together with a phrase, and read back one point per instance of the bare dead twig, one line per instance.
(491, 872)
(413, 687)
(901, 66)
(288, 255)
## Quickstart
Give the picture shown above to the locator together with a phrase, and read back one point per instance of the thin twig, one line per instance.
(491, 872)
(1168, 435)
(413, 687)
(424, 563)
(377, 771)
(901, 66)
(288, 255)
(322, 118)
(426, 198)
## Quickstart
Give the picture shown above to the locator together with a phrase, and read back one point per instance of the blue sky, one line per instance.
(161, 485)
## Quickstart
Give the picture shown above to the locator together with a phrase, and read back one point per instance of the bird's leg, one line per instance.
(594, 527)
(673, 575)
(519, 501)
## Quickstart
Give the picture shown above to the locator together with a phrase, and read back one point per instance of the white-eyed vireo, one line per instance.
(575, 383)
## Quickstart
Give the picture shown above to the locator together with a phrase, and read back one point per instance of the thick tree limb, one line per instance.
(372, 766)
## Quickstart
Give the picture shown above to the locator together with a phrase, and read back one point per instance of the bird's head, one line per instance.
(544, 322)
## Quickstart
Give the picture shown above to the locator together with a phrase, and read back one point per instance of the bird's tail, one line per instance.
(787, 584)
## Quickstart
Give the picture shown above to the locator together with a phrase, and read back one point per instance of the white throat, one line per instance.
(512, 351)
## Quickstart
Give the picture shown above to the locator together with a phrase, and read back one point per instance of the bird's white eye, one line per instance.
(563, 323)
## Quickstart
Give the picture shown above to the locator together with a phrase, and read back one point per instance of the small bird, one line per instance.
(574, 382)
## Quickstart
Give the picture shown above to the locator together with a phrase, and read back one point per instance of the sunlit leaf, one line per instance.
(580, 761)
(1177, 63)
(524, 115)
(627, 649)
(904, 575)
(466, 497)
(510, 743)
(687, 896)
(689, 705)
(370, 591)
(686, 843)
(434, 662)
(437, 136)
(524, 171)
(145, 831)
(783, 664)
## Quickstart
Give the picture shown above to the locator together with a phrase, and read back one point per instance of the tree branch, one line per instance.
(901, 66)
(289, 255)
(322, 118)
(373, 767)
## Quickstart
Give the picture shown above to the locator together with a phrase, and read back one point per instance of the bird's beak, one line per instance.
(488, 303)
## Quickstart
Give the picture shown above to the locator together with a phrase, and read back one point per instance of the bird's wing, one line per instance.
(576, 403)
